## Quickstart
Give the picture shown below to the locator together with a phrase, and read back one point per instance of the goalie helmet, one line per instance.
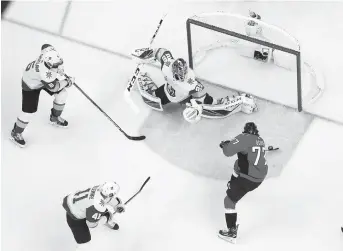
(109, 189)
(251, 128)
(180, 69)
(52, 58)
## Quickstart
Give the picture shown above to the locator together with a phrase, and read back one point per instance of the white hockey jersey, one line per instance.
(175, 90)
(36, 75)
(88, 204)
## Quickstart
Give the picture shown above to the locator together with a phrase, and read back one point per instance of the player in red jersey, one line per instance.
(249, 172)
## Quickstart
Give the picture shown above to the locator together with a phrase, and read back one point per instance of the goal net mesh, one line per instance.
(221, 45)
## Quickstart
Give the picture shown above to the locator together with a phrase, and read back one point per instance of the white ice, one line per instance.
(302, 209)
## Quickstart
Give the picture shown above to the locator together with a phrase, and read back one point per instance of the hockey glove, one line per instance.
(120, 207)
(223, 143)
(70, 81)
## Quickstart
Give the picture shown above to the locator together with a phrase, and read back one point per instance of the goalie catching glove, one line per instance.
(192, 113)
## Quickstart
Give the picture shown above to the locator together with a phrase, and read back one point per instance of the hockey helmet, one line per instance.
(52, 59)
(109, 189)
(180, 69)
(250, 128)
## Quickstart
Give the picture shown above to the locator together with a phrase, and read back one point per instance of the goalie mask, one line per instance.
(180, 69)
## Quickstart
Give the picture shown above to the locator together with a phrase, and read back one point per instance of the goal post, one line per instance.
(232, 27)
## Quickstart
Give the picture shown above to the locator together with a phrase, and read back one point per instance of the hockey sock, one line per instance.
(57, 109)
(59, 103)
(231, 219)
(22, 121)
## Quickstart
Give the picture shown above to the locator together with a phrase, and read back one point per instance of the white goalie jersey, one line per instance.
(175, 89)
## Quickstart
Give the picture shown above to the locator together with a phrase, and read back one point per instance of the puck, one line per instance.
(270, 148)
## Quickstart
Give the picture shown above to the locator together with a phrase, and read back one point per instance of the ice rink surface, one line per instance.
(301, 208)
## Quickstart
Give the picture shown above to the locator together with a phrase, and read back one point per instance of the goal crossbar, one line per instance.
(296, 53)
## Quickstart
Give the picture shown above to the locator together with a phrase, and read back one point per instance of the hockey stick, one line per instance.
(104, 113)
(146, 181)
(137, 71)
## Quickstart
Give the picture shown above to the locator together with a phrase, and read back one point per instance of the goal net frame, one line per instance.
(297, 53)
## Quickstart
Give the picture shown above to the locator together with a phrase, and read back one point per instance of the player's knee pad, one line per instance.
(61, 97)
(229, 204)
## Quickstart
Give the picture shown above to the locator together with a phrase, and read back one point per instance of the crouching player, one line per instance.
(181, 86)
(249, 172)
(85, 208)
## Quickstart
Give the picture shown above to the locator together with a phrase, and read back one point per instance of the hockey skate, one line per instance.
(17, 138)
(229, 235)
(58, 121)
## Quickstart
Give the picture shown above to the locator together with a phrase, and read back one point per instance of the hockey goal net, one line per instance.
(222, 48)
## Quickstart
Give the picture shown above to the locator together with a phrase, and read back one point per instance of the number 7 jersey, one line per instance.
(250, 149)
(87, 204)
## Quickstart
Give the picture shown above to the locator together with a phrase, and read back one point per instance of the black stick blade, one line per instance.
(146, 181)
(136, 138)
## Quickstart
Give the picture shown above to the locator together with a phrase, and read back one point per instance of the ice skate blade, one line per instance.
(228, 239)
(16, 143)
(56, 125)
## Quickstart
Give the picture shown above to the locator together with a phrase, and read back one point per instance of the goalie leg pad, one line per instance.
(147, 88)
(249, 104)
(231, 106)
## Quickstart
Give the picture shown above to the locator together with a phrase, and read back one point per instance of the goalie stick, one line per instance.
(137, 138)
(137, 71)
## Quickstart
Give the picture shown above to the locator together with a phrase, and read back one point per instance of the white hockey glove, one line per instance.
(143, 56)
(192, 113)
(120, 207)
(70, 81)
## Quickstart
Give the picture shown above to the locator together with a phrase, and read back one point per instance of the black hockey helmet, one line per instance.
(180, 69)
(251, 128)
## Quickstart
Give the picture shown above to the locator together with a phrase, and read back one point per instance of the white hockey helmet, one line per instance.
(52, 58)
(109, 189)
